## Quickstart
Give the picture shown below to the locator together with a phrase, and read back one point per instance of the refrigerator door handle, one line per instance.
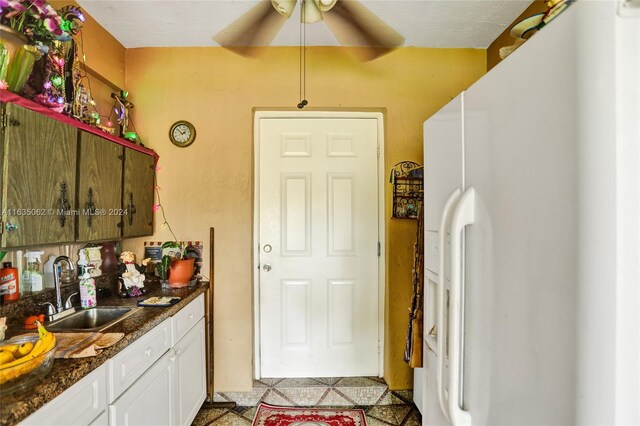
(463, 215)
(440, 307)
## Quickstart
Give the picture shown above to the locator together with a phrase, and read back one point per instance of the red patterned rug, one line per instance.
(268, 415)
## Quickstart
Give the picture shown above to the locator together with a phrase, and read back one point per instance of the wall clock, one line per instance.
(182, 133)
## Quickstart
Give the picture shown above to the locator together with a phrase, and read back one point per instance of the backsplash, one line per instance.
(18, 310)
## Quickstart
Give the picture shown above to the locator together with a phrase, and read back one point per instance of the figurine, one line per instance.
(132, 276)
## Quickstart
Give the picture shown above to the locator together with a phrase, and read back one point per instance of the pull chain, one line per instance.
(303, 57)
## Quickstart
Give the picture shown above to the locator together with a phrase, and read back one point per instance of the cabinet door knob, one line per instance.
(91, 207)
(148, 352)
(266, 267)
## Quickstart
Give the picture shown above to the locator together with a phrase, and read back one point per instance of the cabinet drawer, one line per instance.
(186, 318)
(80, 404)
(131, 363)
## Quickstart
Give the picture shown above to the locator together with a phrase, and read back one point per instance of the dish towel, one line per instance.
(81, 345)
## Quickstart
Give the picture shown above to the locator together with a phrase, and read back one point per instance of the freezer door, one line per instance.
(520, 261)
(443, 182)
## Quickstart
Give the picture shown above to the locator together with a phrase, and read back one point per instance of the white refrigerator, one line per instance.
(532, 242)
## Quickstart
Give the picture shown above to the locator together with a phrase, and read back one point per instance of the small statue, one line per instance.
(132, 275)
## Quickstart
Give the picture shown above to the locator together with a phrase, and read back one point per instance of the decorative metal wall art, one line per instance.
(407, 178)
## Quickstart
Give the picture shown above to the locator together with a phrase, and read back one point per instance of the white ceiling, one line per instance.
(423, 23)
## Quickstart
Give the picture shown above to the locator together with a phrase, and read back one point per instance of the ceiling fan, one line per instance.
(351, 23)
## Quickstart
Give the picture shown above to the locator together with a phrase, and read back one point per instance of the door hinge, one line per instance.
(4, 120)
(378, 151)
(1, 226)
(379, 248)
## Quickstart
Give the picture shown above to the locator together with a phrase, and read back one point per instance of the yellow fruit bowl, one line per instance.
(16, 375)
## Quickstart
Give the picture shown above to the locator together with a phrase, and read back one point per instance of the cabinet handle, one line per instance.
(132, 208)
(91, 207)
(148, 352)
(64, 204)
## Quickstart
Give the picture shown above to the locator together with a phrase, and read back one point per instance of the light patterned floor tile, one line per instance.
(273, 398)
(363, 396)
(219, 397)
(306, 396)
(247, 399)
(334, 399)
(295, 383)
(329, 381)
(353, 382)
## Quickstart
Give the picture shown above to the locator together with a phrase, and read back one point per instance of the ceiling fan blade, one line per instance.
(258, 27)
(355, 25)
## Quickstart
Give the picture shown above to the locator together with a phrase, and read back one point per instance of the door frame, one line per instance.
(379, 117)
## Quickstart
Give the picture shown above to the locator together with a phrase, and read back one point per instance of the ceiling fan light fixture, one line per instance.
(310, 12)
(284, 7)
(325, 5)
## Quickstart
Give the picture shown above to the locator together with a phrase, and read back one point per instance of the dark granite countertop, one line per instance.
(19, 405)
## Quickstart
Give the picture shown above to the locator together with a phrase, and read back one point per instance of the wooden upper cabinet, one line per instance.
(137, 197)
(39, 179)
(99, 188)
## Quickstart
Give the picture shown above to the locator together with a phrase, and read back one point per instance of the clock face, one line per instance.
(182, 133)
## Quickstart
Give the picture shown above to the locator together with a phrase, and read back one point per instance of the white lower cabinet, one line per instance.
(149, 401)
(191, 387)
(81, 404)
(158, 380)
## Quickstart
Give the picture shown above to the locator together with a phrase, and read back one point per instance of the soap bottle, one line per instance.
(48, 273)
(87, 291)
(9, 282)
(32, 272)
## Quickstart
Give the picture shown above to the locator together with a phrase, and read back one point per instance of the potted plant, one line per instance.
(175, 268)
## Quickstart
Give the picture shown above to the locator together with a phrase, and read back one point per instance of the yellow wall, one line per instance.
(210, 183)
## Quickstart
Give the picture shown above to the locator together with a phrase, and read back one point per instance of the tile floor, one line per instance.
(382, 406)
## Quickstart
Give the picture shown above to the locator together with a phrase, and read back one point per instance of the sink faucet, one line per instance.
(56, 279)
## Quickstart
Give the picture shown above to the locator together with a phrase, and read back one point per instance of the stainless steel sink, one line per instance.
(94, 319)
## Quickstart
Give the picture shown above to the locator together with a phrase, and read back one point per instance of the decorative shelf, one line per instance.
(407, 179)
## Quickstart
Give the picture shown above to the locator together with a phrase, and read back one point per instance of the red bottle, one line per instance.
(9, 282)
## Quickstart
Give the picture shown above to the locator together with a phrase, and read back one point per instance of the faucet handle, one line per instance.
(49, 308)
(67, 303)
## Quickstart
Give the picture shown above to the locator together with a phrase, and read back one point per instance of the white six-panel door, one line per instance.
(318, 247)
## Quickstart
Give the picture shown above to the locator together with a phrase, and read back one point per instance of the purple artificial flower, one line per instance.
(39, 7)
(12, 5)
(47, 85)
(52, 24)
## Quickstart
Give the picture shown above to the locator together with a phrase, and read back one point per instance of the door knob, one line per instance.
(266, 267)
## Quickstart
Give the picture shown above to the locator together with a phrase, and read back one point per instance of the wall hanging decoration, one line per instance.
(407, 180)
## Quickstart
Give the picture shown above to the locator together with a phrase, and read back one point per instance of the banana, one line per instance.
(6, 357)
(31, 360)
(23, 349)
(9, 348)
